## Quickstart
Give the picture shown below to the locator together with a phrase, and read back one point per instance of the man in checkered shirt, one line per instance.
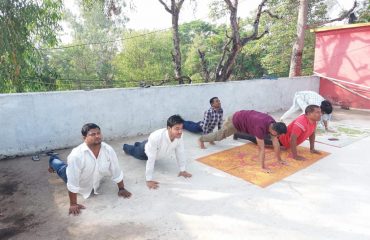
(304, 98)
(212, 118)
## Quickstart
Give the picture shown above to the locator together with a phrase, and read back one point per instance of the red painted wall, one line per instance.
(344, 54)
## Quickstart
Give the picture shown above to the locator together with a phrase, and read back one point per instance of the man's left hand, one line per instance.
(282, 162)
(184, 174)
(124, 193)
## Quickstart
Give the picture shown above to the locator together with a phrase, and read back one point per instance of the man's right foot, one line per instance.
(201, 144)
(50, 170)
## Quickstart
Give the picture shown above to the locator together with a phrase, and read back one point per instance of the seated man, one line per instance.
(300, 129)
(254, 123)
(303, 99)
(212, 118)
(87, 165)
(160, 144)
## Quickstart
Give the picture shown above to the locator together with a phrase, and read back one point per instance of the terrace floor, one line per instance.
(328, 200)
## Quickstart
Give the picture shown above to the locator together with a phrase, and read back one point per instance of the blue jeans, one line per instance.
(137, 150)
(59, 167)
(193, 127)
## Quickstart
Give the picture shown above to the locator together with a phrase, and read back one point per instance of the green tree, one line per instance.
(145, 57)
(87, 61)
(364, 12)
(25, 27)
(275, 49)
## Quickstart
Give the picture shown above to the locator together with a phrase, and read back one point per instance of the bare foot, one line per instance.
(201, 144)
(50, 170)
(212, 143)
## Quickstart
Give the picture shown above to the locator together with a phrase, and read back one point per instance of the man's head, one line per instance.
(277, 129)
(174, 126)
(91, 134)
(215, 102)
(326, 107)
(313, 112)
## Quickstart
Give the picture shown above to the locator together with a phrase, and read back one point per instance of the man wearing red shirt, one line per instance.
(300, 129)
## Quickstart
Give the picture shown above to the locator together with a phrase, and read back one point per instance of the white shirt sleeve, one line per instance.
(151, 150)
(115, 170)
(73, 174)
(180, 155)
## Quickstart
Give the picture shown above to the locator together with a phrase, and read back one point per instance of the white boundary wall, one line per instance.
(32, 122)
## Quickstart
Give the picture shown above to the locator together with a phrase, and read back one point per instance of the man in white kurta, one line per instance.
(162, 143)
(304, 98)
(87, 164)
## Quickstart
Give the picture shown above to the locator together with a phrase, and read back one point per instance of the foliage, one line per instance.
(145, 58)
(25, 27)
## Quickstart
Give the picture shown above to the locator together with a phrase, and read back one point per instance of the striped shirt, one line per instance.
(212, 117)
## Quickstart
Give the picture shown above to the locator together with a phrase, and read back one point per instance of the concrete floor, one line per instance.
(328, 200)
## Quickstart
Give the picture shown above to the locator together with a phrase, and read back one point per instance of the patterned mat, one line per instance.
(242, 162)
(343, 135)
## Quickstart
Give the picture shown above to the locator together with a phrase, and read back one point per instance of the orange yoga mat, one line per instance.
(243, 162)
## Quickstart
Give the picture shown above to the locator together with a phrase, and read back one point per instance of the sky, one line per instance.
(150, 14)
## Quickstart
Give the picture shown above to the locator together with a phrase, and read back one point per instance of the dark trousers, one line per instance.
(193, 127)
(137, 150)
(252, 138)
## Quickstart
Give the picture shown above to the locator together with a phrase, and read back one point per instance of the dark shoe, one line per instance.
(126, 148)
(52, 153)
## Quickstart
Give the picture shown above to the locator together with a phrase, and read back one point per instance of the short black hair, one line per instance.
(310, 109)
(87, 127)
(212, 99)
(279, 127)
(173, 120)
(326, 107)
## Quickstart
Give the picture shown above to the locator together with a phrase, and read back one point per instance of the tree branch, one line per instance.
(340, 18)
(179, 5)
(229, 4)
(219, 65)
(255, 24)
(165, 6)
(271, 14)
(263, 34)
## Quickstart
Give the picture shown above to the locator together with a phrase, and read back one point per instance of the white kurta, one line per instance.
(84, 171)
(159, 146)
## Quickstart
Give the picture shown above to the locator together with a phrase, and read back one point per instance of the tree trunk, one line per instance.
(225, 68)
(174, 10)
(176, 56)
(203, 62)
(296, 58)
(17, 71)
(297, 52)
(228, 67)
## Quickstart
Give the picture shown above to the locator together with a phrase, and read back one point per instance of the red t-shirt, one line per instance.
(253, 122)
(301, 127)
